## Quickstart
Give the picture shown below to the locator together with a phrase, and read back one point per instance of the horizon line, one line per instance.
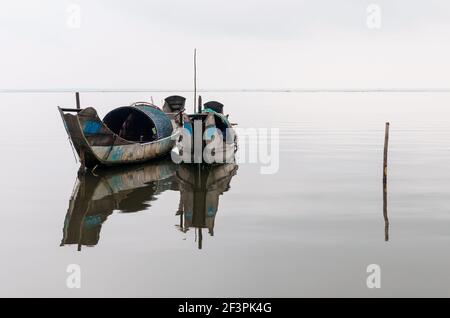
(227, 90)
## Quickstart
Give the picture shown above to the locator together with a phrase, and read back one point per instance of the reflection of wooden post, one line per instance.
(82, 193)
(385, 158)
(385, 214)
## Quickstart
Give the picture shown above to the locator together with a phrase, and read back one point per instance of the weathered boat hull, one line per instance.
(96, 144)
(207, 142)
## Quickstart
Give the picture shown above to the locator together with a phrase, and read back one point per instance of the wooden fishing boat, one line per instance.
(129, 134)
(208, 136)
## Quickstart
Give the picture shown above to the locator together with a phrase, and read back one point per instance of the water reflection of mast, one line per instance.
(385, 210)
(83, 197)
(200, 188)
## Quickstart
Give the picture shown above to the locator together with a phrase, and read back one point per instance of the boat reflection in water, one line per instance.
(200, 188)
(131, 189)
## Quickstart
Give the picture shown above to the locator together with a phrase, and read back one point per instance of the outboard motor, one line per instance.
(215, 106)
(174, 104)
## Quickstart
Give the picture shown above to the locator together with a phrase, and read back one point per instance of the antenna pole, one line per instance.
(195, 80)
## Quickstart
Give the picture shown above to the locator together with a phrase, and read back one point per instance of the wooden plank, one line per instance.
(76, 110)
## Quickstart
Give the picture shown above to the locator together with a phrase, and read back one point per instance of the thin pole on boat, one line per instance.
(77, 97)
(195, 80)
(385, 158)
(199, 103)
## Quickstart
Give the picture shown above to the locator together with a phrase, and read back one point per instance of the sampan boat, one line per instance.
(130, 134)
(208, 136)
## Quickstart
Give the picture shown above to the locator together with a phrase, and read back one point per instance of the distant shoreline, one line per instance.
(250, 90)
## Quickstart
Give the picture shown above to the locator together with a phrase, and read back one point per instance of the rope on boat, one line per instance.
(93, 171)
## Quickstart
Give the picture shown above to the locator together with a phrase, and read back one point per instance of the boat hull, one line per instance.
(96, 144)
(205, 142)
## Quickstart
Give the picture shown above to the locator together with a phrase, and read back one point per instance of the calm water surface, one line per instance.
(311, 229)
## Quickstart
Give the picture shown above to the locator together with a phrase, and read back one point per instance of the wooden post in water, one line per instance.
(77, 97)
(385, 158)
(82, 169)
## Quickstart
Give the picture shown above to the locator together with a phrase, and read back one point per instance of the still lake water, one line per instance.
(311, 229)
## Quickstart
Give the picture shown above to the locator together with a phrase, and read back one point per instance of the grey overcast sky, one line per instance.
(242, 44)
